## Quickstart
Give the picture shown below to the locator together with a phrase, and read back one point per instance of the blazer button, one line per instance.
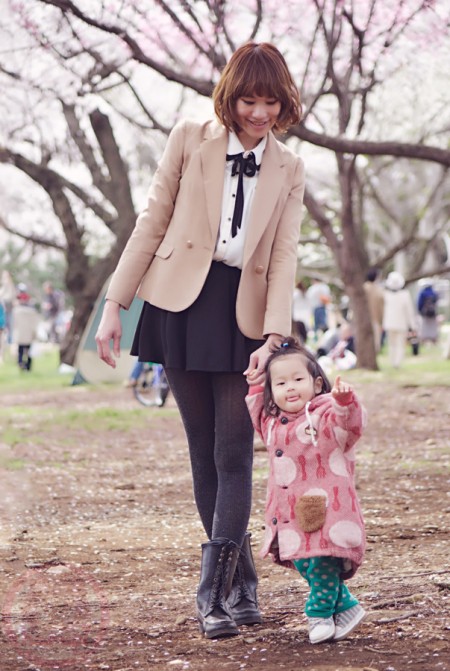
(284, 420)
(279, 453)
(274, 520)
(259, 269)
(189, 244)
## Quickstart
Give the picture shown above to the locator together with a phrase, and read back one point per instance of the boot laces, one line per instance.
(216, 596)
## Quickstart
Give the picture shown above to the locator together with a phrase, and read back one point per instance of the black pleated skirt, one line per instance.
(205, 336)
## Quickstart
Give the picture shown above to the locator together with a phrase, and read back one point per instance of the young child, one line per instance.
(313, 517)
(25, 325)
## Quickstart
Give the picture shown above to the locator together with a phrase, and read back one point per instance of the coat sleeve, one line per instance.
(152, 223)
(283, 259)
(255, 405)
(345, 421)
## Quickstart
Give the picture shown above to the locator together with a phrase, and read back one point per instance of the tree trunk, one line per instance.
(351, 259)
(364, 338)
(82, 311)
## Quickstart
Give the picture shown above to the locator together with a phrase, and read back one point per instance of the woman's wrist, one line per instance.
(112, 306)
(274, 339)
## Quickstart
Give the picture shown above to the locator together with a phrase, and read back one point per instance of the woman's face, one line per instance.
(256, 116)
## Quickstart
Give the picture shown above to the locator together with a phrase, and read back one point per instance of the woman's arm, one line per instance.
(137, 256)
(255, 405)
(257, 362)
(152, 222)
(109, 329)
(283, 259)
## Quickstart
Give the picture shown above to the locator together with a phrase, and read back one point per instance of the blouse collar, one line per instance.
(235, 147)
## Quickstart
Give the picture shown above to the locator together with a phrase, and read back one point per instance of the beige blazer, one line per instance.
(170, 251)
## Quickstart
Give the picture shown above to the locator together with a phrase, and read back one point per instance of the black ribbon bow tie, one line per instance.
(241, 166)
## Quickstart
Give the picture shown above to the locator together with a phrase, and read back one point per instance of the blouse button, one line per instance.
(274, 520)
(189, 244)
(284, 420)
(279, 453)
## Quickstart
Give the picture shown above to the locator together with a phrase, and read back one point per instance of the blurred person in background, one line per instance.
(8, 298)
(428, 311)
(301, 313)
(52, 305)
(319, 297)
(375, 299)
(26, 321)
(399, 320)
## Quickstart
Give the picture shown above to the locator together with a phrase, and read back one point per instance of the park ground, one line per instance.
(99, 536)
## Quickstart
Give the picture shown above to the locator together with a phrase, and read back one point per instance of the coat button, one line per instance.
(189, 244)
(284, 420)
(259, 269)
(274, 520)
(279, 453)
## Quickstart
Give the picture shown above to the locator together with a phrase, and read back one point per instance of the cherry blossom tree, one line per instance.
(147, 62)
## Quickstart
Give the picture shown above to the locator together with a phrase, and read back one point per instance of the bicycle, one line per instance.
(152, 388)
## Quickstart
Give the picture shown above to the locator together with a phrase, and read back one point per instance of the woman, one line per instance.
(398, 317)
(301, 313)
(214, 256)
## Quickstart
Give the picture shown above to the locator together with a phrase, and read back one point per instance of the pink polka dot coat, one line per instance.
(312, 508)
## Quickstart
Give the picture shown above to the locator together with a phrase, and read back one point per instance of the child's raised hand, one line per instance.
(254, 377)
(342, 392)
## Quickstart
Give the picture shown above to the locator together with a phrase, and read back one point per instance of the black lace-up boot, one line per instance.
(219, 559)
(243, 602)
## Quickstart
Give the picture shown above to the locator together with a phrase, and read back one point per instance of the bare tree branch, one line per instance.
(348, 146)
(30, 237)
(202, 86)
(45, 177)
(86, 150)
(119, 187)
(318, 214)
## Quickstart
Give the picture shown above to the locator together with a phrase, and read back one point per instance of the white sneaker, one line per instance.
(347, 621)
(321, 629)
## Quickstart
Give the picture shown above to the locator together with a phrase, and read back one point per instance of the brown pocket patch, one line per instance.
(310, 512)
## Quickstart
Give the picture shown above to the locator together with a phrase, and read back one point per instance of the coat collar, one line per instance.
(212, 155)
(268, 188)
(213, 150)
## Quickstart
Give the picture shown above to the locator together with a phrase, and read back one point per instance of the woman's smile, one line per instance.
(255, 116)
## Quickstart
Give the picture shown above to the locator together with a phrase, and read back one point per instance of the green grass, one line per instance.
(44, 374)
(12, 464)
(429, 368)
(16, 431)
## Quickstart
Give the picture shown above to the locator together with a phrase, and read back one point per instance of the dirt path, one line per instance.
(99, 543)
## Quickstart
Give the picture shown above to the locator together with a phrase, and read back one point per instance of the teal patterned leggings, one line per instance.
(328, 593)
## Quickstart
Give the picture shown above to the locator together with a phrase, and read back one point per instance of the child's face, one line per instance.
(292, 385)
(256, 116)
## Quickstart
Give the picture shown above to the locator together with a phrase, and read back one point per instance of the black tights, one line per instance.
(220, 438)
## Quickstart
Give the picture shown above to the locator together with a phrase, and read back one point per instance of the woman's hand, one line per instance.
(257, 362)
(110, 328)
(342, 392)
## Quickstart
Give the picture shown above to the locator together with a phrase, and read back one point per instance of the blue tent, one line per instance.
(89, 366)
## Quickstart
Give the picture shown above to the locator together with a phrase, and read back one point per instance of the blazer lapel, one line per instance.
(270, 183)
(212, 154)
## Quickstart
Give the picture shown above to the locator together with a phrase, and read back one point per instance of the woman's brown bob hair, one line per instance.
(257, 70)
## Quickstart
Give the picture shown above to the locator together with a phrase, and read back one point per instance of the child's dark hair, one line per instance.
(292, 346)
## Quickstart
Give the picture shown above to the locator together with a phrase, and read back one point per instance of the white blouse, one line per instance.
(231, 250)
